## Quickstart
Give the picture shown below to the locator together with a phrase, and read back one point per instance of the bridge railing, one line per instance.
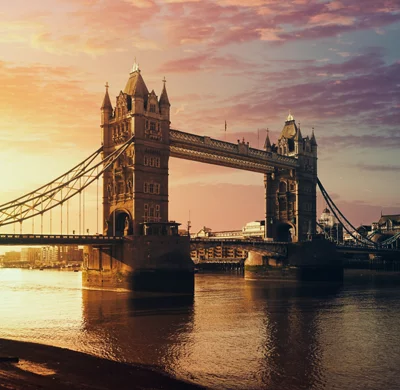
(60, 236)
(238, 149)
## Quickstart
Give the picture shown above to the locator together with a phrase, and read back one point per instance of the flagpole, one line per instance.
(225, 132)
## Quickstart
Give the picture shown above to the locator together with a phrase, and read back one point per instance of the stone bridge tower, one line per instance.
(135, 194)
(290, 194)
(152, 256)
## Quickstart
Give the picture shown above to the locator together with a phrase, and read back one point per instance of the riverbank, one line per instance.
(46, 367)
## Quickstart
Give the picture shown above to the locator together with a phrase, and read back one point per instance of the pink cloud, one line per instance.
(48, 104)
(96, 27)
(206, 61)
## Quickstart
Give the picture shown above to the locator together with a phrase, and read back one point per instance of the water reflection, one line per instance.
(141, 330)
(234, 334)
(291, 347)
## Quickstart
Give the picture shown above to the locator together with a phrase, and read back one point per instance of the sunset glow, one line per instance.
(334, 64)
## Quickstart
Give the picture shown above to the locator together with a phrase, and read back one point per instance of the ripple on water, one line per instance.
(235, 334)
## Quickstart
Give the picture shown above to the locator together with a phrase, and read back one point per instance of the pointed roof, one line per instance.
(164, 96)
(106, 100)
(135, 86)
(267, 144)
(394, 218)
(313, 140)
(289, 130)
(298, 136)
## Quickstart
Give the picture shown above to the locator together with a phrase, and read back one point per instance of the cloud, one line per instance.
(97, 27)
(210, 22)
(379, 168)
(204, 62)
(45, 105)
(73, 27)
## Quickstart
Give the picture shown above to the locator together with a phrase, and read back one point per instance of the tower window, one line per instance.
(152, 126)
(152, 108)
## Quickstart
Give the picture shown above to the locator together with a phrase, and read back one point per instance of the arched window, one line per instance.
(282, 186)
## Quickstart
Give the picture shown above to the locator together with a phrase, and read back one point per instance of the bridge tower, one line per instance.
(153, 256)
(136, 188)
(290, 194)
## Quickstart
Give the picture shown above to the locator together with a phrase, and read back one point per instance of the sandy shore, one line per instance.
(46, 367)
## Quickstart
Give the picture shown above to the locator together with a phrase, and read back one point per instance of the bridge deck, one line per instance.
(58, 239)
(212, 151)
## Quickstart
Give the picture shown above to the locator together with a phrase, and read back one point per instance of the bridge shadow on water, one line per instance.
(242, 334)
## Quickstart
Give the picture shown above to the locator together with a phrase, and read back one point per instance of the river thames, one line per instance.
(234, 333)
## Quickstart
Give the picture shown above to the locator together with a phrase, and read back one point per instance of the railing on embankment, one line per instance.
(58, 239)
(219, 264)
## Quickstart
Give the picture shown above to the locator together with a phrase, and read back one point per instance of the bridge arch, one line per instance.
(285, 232)
(120, 223)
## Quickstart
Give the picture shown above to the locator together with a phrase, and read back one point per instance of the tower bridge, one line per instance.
(139, 246)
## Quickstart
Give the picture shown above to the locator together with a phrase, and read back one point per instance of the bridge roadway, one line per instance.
(240, 156)
(58, 239)
(260, 244)
(76, 239)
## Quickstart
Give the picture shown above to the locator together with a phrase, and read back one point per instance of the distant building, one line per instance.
(364, 230)
(12, 257)
(255, 229)
(204, 232)
(61, 254)
(30, 255)
(389, 223)
(330, 227)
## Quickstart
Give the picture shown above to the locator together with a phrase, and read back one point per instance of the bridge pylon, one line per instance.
(290, 194)
(153, 256)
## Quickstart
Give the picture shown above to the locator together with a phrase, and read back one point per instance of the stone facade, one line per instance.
(290, 194)
(152, 256)
(136, 187)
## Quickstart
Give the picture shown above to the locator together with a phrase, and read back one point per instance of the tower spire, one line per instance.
(313, 140)
(164, 101)
(106, 100)
(267, 144)
(298, 136)
(135, 67)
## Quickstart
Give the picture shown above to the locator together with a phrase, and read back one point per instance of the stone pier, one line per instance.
(315, 260)
(144, 263)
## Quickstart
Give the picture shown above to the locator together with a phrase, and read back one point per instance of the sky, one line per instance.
(335, 65)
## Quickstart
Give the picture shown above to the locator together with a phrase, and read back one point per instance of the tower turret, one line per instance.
(106, 116)
(164, 102)
(267, 144)
(298, 140)
(106, 108)
(136, 88)
(314, 145)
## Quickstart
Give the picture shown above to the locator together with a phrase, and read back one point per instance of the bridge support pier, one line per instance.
(314, 261)
(142, 263)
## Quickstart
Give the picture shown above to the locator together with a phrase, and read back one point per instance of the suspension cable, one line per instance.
(336, 211)
(97, 203)
(50, 197)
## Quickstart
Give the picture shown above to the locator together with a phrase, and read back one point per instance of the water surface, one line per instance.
(234, 334)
